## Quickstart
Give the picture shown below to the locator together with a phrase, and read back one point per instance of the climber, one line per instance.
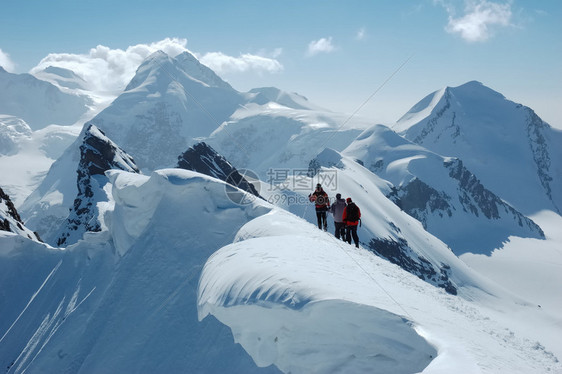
(337, 209)
(322, 204)
(351, 217)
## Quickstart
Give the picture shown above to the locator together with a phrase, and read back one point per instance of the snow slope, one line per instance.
(513, 152)
(440, 192)
(296, 297)
(124, 299)
(32, 154)
(386, 230)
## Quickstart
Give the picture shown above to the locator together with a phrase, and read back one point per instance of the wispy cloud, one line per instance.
(478, 20)
(109, 69)
(361, 34)
(221, 63)
(323, 45)
(6, 62)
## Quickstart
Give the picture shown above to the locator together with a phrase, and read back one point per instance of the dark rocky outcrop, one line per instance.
(97, 155)
(398, 252)
(10, 219)
(203, 159)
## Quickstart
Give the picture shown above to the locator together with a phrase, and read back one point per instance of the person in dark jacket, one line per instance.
(351, 216)
(322, 204)
(337, 209)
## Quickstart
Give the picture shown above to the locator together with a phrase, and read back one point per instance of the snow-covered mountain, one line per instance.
(38, 103)
(172, 103)
(273, 138)
(47, 111)
(135, 296)
(10, 219)
(512, 151)
(64, 78)
(167, 105)
(68, 198)
(98, 154)
(441, 193)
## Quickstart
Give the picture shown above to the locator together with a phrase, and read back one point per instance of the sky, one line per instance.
(373, 58)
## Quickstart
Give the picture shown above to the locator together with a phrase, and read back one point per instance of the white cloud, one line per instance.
(323, 45)
(109, 69)
(6, 62)
(478, 20)
(221, 63)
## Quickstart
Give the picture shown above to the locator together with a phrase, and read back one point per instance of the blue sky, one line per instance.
(336, 53)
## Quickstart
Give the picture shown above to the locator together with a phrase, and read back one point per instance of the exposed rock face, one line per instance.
(537, 131)
(97, 155)
(10, 219)
(417, 198)
(399, 253)
(476, 197)
(205, 160)
(420, 200)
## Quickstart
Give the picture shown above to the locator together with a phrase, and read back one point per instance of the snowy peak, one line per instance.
(506, 144)
(62, 77)
(160, 66)
(195, 69)
(37, 102)
(472, 96)
(98, 154)
(168, 104)
(11, 221)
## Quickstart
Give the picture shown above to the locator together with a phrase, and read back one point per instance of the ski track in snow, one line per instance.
(32, 298)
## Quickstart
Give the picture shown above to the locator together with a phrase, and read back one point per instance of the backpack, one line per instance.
(352, 213)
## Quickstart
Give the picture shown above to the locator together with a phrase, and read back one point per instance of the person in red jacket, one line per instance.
(322, 204)
(351, 216)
